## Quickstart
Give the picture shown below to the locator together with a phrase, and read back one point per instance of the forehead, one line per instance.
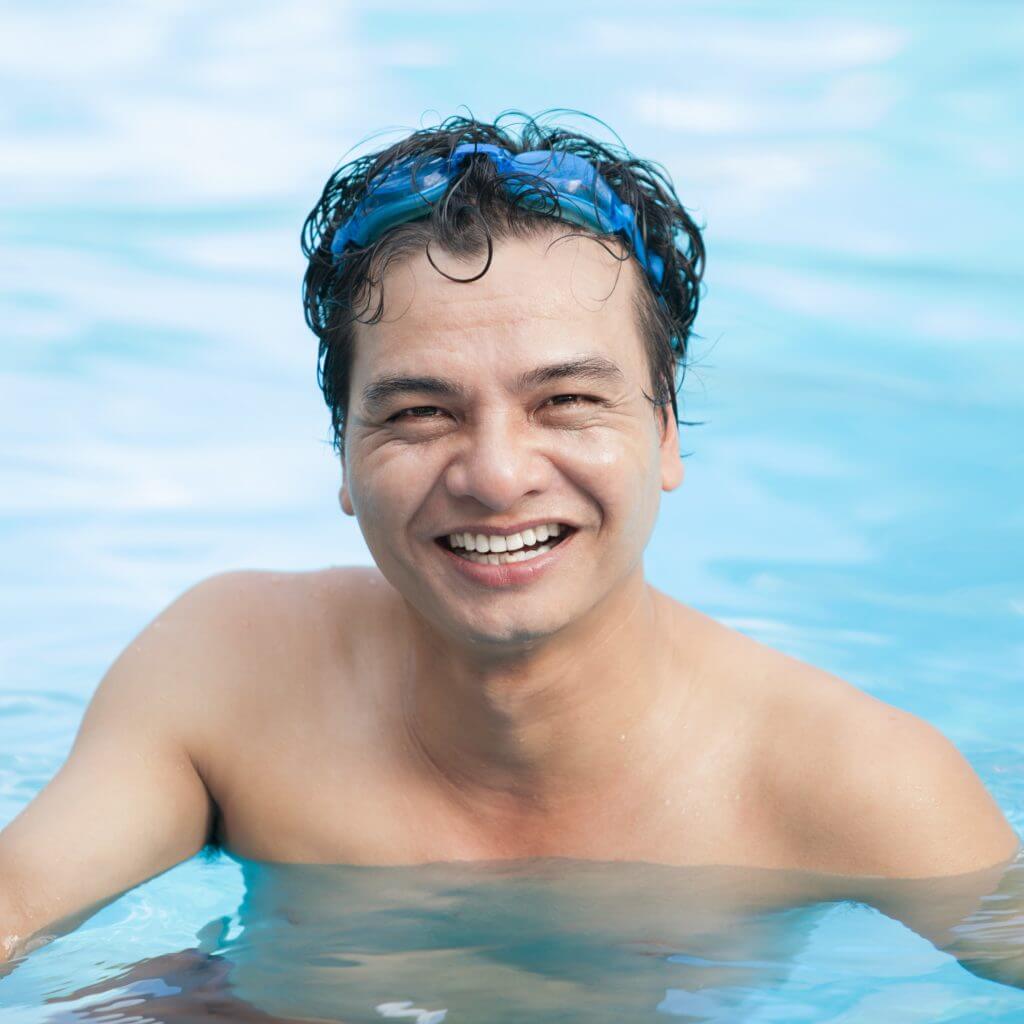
(542, 298)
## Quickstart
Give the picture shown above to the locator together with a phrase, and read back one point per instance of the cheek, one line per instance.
(385, 484)
(620, 471)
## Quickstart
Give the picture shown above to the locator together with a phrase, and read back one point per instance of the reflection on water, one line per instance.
(564, 940)
(509, 942)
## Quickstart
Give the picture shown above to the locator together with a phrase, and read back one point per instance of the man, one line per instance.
(504, 684)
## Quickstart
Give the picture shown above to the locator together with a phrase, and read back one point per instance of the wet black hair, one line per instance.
(474, 212)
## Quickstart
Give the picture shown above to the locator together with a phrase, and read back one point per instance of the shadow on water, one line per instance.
(547, 940)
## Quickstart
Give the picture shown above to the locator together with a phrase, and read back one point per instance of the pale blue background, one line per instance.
(854, 498)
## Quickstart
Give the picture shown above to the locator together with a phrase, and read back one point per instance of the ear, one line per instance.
(672, 469)
(344, 497)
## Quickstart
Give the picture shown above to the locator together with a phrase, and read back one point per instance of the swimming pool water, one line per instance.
(854, 496)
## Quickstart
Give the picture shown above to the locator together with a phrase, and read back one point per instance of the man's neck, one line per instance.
(568, 721)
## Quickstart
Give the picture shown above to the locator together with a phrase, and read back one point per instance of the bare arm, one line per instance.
(930, 815)
(974, 907)
(977, 917)
(129, 802)
(945, 858)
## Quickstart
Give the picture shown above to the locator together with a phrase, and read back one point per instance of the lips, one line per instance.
(523, 554)
(506, 548)
(484, 539)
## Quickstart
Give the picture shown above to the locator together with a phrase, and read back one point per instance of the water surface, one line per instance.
(854, 495)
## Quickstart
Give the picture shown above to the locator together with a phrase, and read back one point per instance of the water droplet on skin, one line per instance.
(622, 737)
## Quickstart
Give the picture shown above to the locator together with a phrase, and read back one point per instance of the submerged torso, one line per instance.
(513, 941)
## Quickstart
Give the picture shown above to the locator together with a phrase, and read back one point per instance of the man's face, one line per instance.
(495, 409)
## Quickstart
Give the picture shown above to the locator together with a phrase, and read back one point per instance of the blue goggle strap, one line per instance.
(407, 192)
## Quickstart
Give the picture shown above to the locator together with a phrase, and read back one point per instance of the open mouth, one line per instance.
(507, 548)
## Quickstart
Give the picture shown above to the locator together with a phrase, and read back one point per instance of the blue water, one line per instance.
(854, 496)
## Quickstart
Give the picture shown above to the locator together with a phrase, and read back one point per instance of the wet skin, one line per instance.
(435, 710)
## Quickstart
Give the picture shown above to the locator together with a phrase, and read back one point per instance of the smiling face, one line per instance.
(483, 415)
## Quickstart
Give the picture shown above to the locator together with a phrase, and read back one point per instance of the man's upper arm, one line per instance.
(914, 807)
(950, 854)
(128, 803)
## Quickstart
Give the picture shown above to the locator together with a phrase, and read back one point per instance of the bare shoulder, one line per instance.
(840, 781)
(870, 789)
(238, 642)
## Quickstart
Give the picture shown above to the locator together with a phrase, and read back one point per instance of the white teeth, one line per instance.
(499, 549)
(507, 558)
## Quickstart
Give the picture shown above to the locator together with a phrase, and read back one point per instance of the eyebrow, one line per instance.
(596, 369)
(379, 391)
(591, 368)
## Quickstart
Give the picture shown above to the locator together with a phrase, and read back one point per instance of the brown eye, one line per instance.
(418, 412)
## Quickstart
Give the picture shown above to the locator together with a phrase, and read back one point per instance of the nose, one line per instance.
(498, 463)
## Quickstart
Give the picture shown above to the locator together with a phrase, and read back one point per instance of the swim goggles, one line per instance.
(408, 190)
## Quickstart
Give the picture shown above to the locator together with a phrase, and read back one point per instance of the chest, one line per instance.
(290, 796)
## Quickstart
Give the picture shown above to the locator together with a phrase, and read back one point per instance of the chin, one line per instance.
(510, 638)
(509, 632)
